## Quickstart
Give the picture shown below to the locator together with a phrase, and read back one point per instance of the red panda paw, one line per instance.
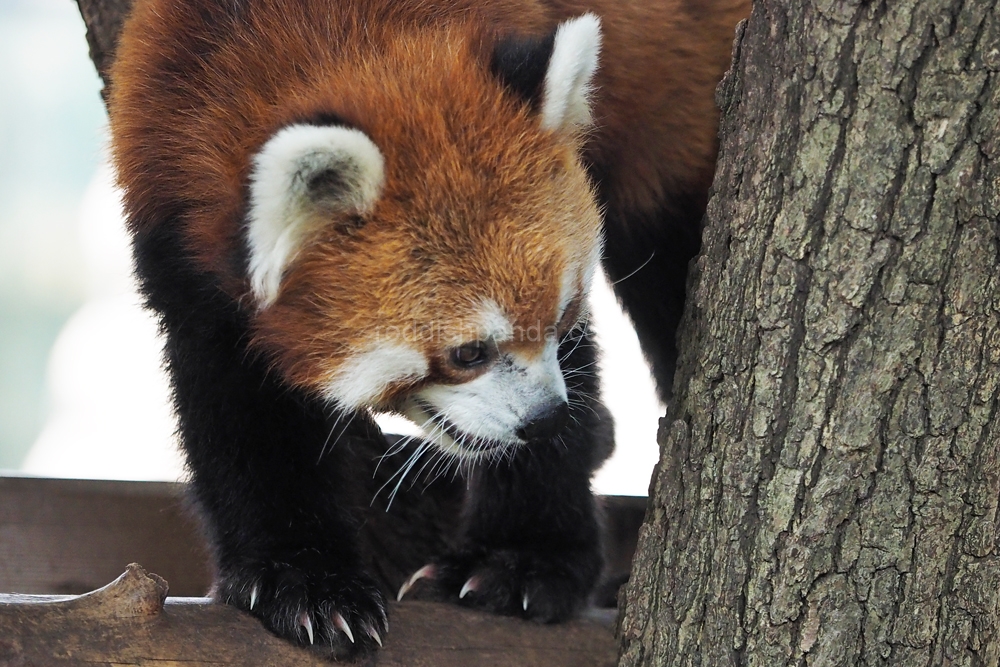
(340, 614)
(544, 586)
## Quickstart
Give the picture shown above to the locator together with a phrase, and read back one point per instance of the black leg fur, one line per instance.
(530, 544)
(280, 515)
(646, 258)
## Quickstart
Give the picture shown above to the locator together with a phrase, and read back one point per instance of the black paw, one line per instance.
(540, 585)
(341, 613)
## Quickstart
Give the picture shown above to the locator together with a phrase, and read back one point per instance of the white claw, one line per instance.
(470, 585)
(374, 635)
(253, 597)
(341, 624)
(306, 623)
(426, 572)
(524, 601)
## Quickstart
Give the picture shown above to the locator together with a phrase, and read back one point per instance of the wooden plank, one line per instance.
(72, 536)
(63, 536)
(129, 622)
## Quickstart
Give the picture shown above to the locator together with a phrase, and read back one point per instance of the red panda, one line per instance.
(398, 205)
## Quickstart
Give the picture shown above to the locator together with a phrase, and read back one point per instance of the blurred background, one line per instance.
(81, 389)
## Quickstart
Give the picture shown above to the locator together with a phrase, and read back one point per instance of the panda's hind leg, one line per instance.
(646, 257)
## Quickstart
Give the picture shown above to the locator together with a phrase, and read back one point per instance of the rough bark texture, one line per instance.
(828, 486)
(104, 21)
(132, 622)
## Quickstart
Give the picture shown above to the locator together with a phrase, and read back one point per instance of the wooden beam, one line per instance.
(69, 536)
(132, 622)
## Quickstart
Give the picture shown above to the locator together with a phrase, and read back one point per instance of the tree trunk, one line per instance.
(828, 485)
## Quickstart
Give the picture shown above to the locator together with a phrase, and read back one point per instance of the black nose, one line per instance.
(546, 423)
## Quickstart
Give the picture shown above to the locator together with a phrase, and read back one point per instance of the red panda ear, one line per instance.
(302, 176)
(553, 73)
(521, 62)
(570, 74)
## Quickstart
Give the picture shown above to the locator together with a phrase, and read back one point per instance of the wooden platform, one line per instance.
(68, 537)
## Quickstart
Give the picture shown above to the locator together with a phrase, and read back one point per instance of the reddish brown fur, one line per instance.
(656, 118)
(500, 213)
(486, 218)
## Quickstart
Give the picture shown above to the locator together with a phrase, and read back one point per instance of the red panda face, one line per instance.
(427, 254)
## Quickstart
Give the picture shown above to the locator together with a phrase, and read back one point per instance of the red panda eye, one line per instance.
(470, 355)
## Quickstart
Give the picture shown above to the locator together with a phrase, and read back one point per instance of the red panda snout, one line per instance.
(476, 390)
(501, 408)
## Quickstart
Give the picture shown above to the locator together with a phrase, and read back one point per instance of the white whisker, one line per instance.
(579, 339)
(641, 267)
(402, 444)
(326, 442)
(411, 461)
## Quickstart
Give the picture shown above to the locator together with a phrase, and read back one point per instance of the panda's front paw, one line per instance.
(545, 586)
(341, 613)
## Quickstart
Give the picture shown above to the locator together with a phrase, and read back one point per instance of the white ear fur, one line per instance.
(568, 81)
(284, 202)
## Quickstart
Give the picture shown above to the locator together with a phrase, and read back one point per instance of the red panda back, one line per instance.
(656, 122)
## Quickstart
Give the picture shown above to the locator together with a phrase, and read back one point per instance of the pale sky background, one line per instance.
(81, 390)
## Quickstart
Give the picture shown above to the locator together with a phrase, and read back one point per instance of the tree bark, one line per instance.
(104, 21)
(828, 485)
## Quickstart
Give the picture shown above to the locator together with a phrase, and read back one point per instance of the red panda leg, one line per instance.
(278, 509)
(646, 257)
(530, 543)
